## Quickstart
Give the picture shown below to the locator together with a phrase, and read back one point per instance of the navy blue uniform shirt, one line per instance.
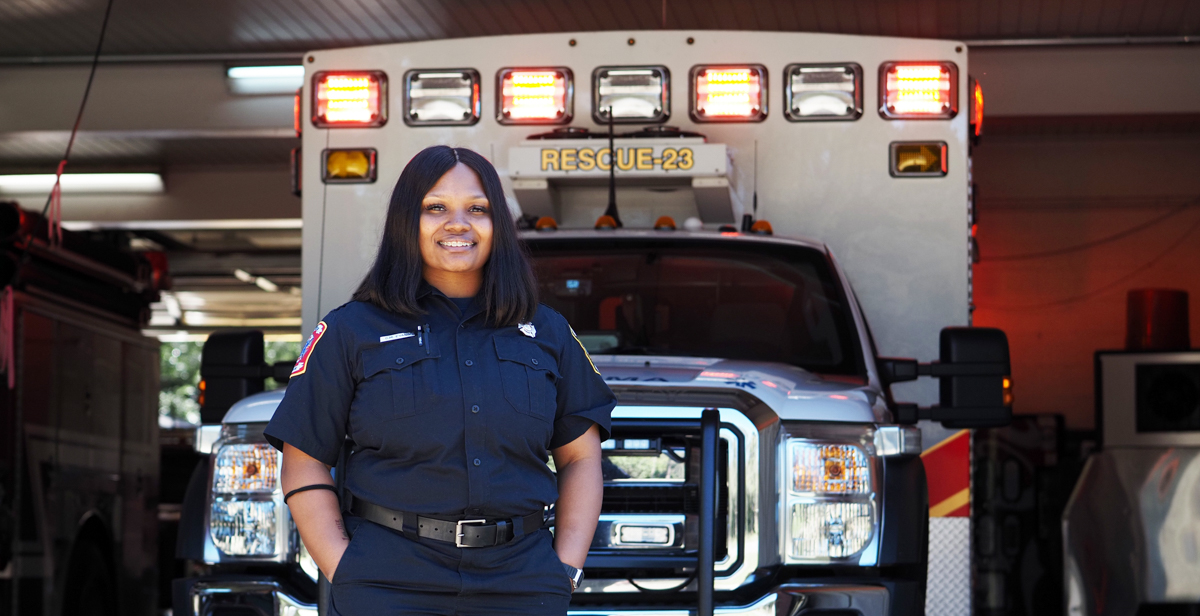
(456, 418)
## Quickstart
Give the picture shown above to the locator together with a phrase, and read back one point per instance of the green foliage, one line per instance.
(180, 379)
(180, 376)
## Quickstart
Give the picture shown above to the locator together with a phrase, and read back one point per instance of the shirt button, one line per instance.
(399, 360)
(469, 363)
(535, 361)
(475, 408)
(477, 462)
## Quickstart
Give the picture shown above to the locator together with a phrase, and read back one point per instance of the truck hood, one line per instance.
(793, 393)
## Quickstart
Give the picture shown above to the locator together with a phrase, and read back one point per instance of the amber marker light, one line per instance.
(348, 166)
(729, 93)
(915, 90)
(1008, 392)
(347, 100)
(918, 159)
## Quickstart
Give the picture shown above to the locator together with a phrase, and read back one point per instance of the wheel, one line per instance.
(90, 590)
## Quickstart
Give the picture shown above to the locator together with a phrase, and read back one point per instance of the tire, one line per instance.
(90, 590)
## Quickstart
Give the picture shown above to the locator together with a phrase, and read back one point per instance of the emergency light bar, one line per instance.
(822, 92)
(352, 99)
(916, 90)
(441, 97)
(637, 94)
(729, 93)
(535, 96)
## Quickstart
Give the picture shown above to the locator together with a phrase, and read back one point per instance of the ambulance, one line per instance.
(683, 196)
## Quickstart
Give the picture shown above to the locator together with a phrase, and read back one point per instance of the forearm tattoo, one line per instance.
(342, 528)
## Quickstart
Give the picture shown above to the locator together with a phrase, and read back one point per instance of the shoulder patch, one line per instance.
(302, 362)
(585, 352)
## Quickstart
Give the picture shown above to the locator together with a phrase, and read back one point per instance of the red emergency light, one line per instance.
(534, 96)
(729, 93)
(976, 108)
(350, 99)
(918, 90)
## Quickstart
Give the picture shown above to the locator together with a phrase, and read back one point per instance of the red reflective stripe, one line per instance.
(948, 472)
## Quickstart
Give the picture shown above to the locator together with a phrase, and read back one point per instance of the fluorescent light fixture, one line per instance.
(258, 281)
(82, 183)
(265, 79)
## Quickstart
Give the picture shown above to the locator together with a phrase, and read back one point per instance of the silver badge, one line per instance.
(528, 329)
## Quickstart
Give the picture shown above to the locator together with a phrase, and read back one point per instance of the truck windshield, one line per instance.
(702, 298)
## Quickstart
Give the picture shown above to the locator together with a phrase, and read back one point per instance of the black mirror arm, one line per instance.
(907, 413)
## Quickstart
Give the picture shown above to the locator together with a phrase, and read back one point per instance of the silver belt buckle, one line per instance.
(458, 531)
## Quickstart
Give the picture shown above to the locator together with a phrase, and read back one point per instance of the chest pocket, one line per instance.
(409, 372)
(529, 374)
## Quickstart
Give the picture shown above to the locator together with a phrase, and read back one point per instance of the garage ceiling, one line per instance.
(66, 28)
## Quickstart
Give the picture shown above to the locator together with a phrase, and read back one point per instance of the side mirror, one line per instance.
(231, 368)
(976, 387)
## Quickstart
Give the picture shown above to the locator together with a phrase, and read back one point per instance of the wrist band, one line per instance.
(315, 486)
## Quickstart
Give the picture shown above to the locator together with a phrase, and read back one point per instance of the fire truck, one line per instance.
(79, 433)
(771, 453)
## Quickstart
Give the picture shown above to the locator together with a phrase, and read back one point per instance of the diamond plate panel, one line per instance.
(949, 589)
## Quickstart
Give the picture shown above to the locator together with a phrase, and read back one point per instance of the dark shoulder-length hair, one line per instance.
(509, 291)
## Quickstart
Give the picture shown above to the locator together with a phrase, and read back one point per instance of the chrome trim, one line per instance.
(746, 451)
(608, 531)
(786, 599)
(897, 441)
(265, 596)
(765, 606)
(206, 437)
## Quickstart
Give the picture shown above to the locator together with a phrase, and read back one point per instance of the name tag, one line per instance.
(399, 336)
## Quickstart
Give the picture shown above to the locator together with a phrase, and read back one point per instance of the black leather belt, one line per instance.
(470, 533)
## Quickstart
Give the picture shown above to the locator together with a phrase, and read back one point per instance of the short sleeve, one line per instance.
(312, 415)
(583, 396)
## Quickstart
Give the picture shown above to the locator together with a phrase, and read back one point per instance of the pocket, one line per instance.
(529, 375)
(340, 574)
(406, 370)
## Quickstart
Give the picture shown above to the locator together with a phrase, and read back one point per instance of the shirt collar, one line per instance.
(427, 290)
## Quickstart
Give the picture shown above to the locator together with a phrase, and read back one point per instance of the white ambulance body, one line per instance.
(861, 143)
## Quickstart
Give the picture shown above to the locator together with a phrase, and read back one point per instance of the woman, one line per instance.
(452, 384)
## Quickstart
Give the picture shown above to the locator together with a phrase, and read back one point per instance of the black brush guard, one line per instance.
(710, 455)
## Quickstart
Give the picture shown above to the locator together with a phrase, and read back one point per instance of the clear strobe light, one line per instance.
(634, 93)
(823, 92)
(443, 97)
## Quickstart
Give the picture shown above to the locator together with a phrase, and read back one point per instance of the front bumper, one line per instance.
(788, 599)
(267, 597)
(261, 596)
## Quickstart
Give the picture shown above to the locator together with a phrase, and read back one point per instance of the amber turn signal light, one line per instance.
(348, 166)
(918, 159)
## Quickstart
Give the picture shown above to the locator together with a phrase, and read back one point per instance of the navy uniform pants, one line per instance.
(384, 573)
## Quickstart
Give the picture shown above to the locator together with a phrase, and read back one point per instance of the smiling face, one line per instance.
(456, 233)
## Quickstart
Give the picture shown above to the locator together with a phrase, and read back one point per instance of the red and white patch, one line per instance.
(302, 363)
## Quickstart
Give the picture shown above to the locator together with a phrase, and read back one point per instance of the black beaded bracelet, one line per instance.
(315, 486)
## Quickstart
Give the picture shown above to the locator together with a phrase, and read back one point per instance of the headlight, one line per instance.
(830, 499)
(244, 527)
(247, 518)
